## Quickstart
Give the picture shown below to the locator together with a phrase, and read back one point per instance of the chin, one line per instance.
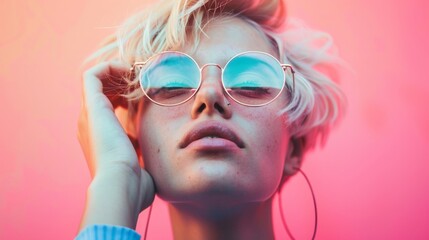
(216, 182)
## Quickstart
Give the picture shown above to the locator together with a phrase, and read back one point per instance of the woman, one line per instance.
(222, 101)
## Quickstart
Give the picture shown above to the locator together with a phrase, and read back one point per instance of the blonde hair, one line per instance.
(317, 102)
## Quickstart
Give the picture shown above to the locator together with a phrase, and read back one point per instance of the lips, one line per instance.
(210, 129)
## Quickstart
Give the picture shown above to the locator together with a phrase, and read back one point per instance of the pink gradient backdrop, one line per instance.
(371, 179)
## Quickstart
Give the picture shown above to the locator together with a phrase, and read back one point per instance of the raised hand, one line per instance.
(120, 188)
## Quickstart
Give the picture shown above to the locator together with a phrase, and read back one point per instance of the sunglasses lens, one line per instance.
(253, 78)
(170, 78)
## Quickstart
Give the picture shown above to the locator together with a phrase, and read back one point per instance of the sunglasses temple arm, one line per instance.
(285, 67)
(136, 65)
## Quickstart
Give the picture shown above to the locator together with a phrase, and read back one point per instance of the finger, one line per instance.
(82, 136)
(111, 76)
(111, 68)
(106, 133)
(115, 84)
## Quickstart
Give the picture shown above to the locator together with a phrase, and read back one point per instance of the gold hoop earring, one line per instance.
(314, 204)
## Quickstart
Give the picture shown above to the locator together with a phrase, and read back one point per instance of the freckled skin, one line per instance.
(250, 174)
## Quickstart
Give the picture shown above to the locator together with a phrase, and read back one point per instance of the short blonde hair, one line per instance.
(317, 102)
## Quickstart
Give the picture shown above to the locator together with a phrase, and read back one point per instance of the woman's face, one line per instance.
(241, 150)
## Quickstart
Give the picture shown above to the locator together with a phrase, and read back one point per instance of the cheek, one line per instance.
(268, 138)
(159, 134)
(267, 128)
(159, 126)
(150, 138)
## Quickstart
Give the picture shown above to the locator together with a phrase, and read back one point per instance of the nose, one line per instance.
(210, 98)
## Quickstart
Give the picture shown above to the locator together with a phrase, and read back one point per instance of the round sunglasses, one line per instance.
(250, 78)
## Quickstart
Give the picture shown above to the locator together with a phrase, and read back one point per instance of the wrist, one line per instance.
(112, 199)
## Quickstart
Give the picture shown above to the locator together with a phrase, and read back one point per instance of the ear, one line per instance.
(294, 156)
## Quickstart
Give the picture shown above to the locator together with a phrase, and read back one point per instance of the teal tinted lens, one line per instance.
(253, 78)
(170, 78)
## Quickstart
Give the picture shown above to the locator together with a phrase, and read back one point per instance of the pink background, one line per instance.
(371, 179)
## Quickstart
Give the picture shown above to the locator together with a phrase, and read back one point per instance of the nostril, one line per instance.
(201, 108)
(219, 108)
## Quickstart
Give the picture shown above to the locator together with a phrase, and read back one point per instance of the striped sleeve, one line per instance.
(107, 232)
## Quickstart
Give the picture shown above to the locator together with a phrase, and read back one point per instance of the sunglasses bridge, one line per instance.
(211, 64)
(208, 65)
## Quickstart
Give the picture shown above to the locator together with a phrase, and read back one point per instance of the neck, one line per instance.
(240, 221)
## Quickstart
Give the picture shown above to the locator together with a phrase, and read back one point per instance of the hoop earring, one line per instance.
(314, 204)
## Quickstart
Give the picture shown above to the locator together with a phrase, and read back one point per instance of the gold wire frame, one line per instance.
(139, 66)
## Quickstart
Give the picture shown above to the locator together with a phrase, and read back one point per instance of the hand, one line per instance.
(120, 188)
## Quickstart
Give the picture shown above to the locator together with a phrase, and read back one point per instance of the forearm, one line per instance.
(111, 202)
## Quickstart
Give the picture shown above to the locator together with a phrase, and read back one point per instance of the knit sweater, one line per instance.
(107, 232)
